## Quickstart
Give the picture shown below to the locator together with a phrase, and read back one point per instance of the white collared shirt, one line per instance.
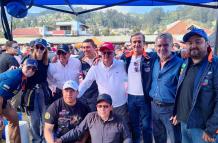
(134, 77)
(58, 74)
(110, 80)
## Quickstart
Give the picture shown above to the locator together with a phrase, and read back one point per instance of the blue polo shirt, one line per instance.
(10, 83)
(164, 81)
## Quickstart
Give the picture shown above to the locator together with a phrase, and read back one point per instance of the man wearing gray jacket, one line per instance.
(103, 125)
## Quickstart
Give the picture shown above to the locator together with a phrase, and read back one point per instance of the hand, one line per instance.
(58, 141)
(207, 138)
(174, 120)
(185, 53)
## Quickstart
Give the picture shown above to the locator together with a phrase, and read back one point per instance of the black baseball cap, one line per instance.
(104, 97)
(64, 48)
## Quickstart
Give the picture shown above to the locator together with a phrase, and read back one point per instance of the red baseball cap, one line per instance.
(107, 46)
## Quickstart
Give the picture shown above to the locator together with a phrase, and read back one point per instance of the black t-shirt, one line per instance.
(186, 92)
(6, 61)
(65, 117)
(39, 77)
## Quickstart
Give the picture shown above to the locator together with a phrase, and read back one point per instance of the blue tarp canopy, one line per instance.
(130, 2)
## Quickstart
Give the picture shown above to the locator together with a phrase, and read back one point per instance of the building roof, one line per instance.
(58, 32)
(27, 32)
(181, 27)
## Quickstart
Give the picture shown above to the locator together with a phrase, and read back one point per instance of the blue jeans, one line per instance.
(193, 135)
(37, 117)
(162, 125)
(140, 118)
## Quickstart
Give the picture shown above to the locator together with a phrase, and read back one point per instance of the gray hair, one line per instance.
(165, 36)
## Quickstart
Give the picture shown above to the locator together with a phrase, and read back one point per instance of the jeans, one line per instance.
(193, 135)
(162, 126)
(37, 117)
(140, 118)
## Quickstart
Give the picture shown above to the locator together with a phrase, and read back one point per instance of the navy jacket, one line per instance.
(146, 66)
(204, 109)
(10, 83)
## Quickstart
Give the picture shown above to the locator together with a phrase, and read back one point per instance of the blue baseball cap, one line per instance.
(195, 31)
(64, 48)
(41, 41)
(104, 97)
(31, 63)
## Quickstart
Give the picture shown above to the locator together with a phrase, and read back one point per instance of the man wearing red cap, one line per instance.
(111, 78)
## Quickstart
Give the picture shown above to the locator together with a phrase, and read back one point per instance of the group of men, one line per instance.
(157, 94)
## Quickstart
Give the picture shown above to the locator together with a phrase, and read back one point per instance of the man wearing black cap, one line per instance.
(103, 125)
(197, 91)
(66, 68)
(11, 82)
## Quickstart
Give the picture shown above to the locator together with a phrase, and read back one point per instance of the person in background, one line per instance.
(7, 59)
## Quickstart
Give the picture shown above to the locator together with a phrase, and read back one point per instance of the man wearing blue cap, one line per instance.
(103, 125)
(197, 91)
(11, 82)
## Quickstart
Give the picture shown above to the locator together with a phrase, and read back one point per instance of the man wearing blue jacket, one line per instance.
(197, 91)
(11, 82)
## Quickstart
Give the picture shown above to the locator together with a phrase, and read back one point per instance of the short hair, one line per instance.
(90, 41)
(10, 43)
(137, 34)
(165, 36)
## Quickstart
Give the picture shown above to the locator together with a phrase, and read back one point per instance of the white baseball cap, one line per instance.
(71, 84)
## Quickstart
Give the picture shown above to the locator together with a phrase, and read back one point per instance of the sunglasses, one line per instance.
(40, 47)
(16, 47)
(107, 53)
(61, 53)
(103, 106)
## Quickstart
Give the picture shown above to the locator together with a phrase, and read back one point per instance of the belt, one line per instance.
(160, 103)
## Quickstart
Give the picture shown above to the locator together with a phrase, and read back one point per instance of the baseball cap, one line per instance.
(195, 31)
(42, 42)
(64, 48)
(107, 46)
(104, 97)
(71, 84)
(32, 43)
(31, 63)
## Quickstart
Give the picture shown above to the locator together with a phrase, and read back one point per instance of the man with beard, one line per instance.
(197, 91)
(165, 76)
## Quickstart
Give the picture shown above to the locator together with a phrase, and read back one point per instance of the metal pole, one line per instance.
(216, 38)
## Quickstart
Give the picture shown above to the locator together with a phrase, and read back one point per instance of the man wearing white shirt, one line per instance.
(111, 78)
(66, 68)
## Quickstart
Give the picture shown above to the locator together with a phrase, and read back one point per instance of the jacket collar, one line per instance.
(131, 53)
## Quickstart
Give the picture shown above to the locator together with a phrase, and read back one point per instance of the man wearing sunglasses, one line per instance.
(103, 125)
(111, 78)
(11, 82)
(7, 59)
(66, 68)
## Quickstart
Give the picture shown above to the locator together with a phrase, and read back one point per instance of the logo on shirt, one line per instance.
(47, 115)
(6, 87)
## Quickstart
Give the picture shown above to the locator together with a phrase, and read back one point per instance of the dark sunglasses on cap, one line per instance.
(40, 47)
(107, 53)
(61, 53)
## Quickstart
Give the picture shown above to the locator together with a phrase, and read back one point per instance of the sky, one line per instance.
(123, 9)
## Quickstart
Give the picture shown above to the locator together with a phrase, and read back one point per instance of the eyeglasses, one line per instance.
(40, 47)
(16, 47)
(136, 66)
(107, 53)
(61, 53)
(103, 106)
